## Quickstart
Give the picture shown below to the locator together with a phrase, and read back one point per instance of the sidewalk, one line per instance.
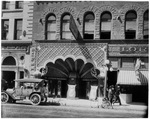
(94, 104)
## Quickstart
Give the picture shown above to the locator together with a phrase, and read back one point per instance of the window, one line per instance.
(145, 63)
(130, 20)
(18, 29)
(5, 29)
(146, 25)
(19, 4)
(5, 4)
(105, 25)
(9, 61)
(128, 63)
(51, 27)
(66, 34)
(89, 26)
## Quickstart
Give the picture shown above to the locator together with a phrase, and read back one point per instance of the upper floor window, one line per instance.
(66, 34)
(89, 26)
(130, 22)
(105, 31)
(5, 29)
(51, 27)
(5, 4)
(19, 4)
(18, 29)
(146, 25)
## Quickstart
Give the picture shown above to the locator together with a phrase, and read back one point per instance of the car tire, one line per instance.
(4, 97)
(35, 99)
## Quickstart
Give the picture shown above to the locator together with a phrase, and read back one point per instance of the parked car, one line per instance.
(27, 89)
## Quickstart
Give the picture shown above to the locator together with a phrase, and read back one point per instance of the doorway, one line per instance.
(112, 78)
(81, 89)
(9, 76)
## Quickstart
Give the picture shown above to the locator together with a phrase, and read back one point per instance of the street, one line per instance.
(26, 110)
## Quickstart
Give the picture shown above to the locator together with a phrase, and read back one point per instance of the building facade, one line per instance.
(16, 39)
(111, 31)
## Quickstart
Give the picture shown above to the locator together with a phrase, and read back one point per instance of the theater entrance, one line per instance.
(69, 78)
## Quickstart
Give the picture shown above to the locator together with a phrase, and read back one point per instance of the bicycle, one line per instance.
(106, 103)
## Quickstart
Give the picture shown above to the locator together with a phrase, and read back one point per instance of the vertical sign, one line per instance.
(73, 28)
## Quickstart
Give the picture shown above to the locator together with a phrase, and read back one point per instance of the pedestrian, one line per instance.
(111, 92)
(117, 93)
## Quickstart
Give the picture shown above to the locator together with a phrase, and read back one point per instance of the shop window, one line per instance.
(128, 63)
(89, 26)
(146, 25)
(66, 34)
(51, 27)
(130, 21)
(5, 4)
(105, 29)
(9, 61)
(19, 4)
(18, 29)
(5, 29)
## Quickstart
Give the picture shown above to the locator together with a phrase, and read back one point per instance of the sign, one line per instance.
(74, 29)
(133, 49)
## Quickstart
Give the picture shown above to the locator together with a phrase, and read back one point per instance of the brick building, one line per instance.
(117, 31)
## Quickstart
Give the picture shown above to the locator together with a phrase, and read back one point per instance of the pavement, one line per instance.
(95, 104)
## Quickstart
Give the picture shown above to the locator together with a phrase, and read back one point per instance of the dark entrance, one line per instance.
(81, 89)
(9, 76)
(64, 88)
(112, 78)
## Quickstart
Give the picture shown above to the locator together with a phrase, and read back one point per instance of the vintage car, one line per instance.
(27, 89)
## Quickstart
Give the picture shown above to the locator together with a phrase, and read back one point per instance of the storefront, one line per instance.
(131, 76)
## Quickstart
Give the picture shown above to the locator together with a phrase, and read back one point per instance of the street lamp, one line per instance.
(108, 67)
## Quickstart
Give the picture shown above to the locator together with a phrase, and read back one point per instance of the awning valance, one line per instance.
(126, 77)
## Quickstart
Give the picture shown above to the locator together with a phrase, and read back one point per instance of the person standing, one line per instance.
(117, 93)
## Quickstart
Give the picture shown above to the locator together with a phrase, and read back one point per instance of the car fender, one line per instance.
(34, 93)
(10, 95)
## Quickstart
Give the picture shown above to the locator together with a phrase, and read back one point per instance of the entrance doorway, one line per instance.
(64, 88)
(112, 78)
(9, 76)
(81, 89)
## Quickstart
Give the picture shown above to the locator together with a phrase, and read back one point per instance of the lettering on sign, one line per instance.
(133, 49)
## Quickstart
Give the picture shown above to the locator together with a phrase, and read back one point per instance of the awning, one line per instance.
(126, 77)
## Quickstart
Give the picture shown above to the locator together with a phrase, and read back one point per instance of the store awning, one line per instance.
(126, 77)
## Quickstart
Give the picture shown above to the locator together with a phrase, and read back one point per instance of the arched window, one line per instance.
(9, 61)
(146, 25)
(89, 26)
(105, 31)
(130, 29)
(51, 27)
(66, 34)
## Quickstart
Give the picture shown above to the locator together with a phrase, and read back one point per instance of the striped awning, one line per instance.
(126, 77)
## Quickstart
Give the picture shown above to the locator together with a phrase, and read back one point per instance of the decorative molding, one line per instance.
(90, 52)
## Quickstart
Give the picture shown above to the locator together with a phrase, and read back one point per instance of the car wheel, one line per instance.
(44, 99)
(35, 99)
(4, 97)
